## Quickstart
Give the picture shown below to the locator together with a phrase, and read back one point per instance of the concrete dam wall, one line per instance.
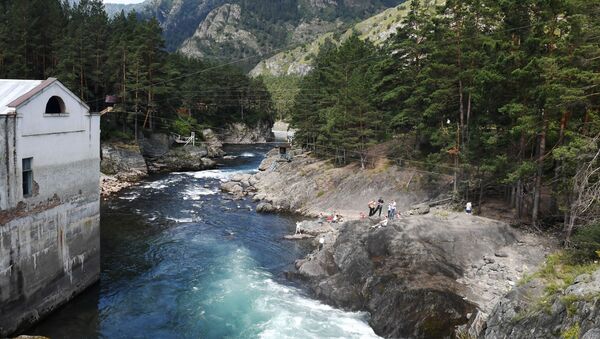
(49, 201)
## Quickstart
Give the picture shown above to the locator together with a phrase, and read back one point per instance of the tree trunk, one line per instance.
(466, 131)
(586, 122)
(537, 191)
(558, 164)
(519, 199)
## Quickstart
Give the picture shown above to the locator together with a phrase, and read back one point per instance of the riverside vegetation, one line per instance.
(503, 97)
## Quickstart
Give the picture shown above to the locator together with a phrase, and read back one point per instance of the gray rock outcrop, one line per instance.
(265, 207)
(411, 275)
(121, 165)
(526, 312)
(163, 156)
(123, 161)
(214, 146)
(239, 133)
(311, 186)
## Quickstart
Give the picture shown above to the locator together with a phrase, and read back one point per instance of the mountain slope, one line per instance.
(229, 30)
(297, 61)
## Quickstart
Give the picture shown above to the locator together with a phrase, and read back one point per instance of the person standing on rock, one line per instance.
(379, 206)
(392, 211)
(371, 208)
(389, 214)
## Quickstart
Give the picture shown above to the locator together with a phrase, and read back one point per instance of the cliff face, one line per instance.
(222, 27)
(239, 133)
(162, 155)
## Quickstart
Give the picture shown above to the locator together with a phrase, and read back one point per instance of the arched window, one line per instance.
(55, 106)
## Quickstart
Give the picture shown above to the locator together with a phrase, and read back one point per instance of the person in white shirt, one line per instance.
(469, 208)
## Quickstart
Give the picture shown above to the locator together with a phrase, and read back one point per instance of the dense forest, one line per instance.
(124, 56)
(502, 95)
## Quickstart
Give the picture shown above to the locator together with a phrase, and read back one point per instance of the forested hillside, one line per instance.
(502, 95)
(95, 56)
(234, 29)
(298, 61)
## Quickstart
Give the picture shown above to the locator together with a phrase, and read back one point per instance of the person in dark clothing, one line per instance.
(371, 208)
(379, 206)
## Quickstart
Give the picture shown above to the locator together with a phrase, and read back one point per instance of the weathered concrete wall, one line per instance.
(46, 259)
(8, 189)
(49, 241)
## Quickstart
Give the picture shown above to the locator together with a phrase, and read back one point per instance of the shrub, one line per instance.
(184, 127)
(571, 332)
(586, 244)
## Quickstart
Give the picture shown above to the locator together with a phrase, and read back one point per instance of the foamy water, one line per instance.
(279, 311)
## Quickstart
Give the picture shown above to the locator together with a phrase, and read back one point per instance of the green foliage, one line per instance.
(557, 273)
(570, 301)
(283, 90)
(504, 92)
(341, 116)
(586, 244)
(572, 332)
(184, 127)
(94, 56)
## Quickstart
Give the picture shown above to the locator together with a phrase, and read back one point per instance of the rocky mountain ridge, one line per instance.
(236, 29)
(298, 61)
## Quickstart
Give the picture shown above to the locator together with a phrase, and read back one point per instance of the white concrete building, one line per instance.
(49, 199)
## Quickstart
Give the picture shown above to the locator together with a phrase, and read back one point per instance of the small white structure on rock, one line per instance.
(49, 199)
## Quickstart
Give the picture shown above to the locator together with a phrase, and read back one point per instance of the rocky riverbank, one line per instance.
(432, 273)
(310, 186)
(124, 164)
(422, 276)
(239, 133)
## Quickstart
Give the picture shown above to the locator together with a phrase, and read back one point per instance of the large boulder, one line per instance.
(410, 274)
(155, 145)
(183, 158)
(213, 145)
(242, 178)
(123, 161)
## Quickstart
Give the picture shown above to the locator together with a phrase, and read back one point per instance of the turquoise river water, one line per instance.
(181, 261)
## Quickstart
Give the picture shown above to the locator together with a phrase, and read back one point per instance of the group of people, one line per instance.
(376, 207)
(333, 218)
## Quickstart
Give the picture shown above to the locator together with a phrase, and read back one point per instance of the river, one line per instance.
(179, 260)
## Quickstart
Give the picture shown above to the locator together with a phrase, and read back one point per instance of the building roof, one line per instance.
(14, 93)
(10, 90)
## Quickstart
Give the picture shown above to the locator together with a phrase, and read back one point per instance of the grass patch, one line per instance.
(557, 274)
(570, 304)
(572, 332)
(320, 194)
